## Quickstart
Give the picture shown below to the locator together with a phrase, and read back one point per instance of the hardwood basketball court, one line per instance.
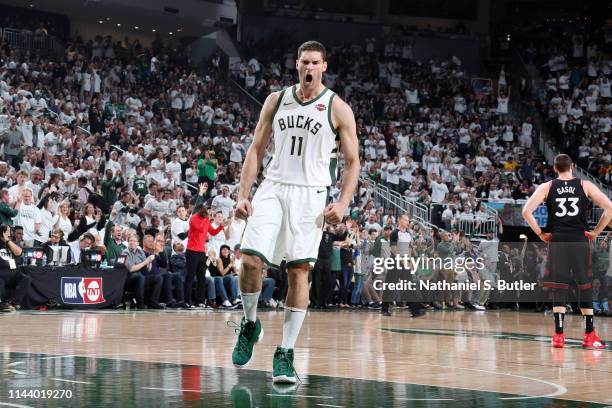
(344, 359)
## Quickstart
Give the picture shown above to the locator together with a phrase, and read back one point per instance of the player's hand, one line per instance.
(591, 235)
(545, 236)
(243, 209)
(334, 212)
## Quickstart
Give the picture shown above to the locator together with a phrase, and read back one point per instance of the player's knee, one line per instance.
(299, 270)
(251, 264)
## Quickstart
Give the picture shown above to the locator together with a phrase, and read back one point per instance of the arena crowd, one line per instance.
(129, 150)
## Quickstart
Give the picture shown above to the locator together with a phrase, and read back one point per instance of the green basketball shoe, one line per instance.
(249, 333)
(282, 366)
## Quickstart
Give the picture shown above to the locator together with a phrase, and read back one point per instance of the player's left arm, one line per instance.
(532, 203)
(344, 120)
(601, 200)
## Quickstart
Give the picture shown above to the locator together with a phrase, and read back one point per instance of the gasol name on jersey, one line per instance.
(566, 189)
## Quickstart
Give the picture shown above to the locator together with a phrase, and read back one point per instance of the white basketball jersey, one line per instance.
(305, 141)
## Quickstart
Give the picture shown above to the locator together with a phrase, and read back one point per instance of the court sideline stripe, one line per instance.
(70, 381)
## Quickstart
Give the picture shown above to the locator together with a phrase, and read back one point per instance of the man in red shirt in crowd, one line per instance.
(199, 228)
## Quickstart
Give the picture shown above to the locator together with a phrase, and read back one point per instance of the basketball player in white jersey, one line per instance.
(287, 215)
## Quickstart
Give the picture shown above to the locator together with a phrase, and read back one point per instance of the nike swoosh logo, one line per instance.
(322, 191)
(287, 103)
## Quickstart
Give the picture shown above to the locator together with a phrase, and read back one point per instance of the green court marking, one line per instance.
(103, 382)
(569, 343)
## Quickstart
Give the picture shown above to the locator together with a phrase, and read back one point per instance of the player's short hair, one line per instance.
(562, 163)
(313, 46)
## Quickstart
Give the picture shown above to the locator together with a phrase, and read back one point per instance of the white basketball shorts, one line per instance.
(287, 223)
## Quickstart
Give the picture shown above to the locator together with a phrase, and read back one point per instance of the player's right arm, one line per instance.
(532, 203)
(603, 202)
(255, 155)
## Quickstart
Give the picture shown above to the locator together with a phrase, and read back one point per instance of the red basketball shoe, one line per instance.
(558, 340)
(591, 340)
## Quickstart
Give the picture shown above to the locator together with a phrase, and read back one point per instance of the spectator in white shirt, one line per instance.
(180, 227)
(526, 130)
(16, 191)
(393, 174)
(439, 189)
(27, 217)
(79, 246)
(223, 203)
(174, 168)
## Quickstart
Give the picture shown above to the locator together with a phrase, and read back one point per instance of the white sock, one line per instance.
(291, 327)
(249, 304)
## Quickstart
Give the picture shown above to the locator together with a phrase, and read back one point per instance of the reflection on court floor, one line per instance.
(88, 382)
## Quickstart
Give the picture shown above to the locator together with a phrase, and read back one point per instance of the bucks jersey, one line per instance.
(567, 206)
(139, 185)
(305, 140)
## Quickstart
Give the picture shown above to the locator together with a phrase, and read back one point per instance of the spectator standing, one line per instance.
(6, 212)
(489, 248)
(113, 240)
(199, 229)
(13, 141)
(9, 272)
(27, 217)
(179, 229)
(110, 185)
(223, 203)
(323, 280)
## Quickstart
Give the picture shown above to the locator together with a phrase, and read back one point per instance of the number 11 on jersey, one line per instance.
(299, 151)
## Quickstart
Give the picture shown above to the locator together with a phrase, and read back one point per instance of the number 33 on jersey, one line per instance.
(567, 206)
(305, 140)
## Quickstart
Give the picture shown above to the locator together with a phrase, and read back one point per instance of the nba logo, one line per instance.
(82, 291)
